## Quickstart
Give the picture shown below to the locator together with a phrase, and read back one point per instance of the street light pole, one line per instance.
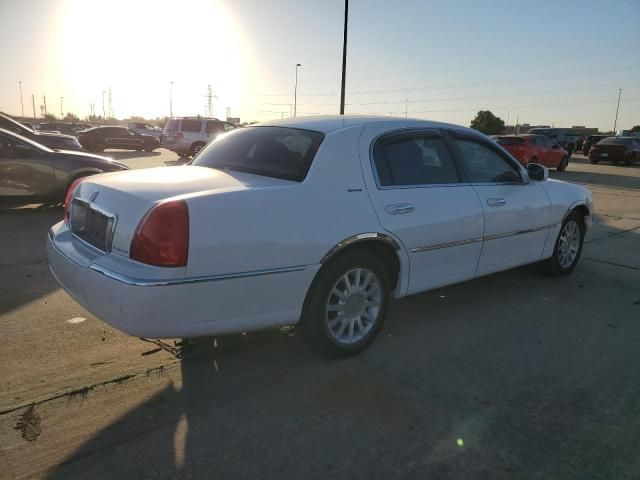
(171, 99)
(21, 104)
(295, 92)
(344, 55)
(615, 122)
(104, 113)
(61, 111)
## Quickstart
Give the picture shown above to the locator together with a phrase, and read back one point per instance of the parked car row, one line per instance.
(51, 140)
(30, 171)
(97, 139)
(188, 135)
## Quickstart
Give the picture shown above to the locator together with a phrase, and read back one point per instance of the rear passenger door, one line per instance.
(516, 210)
(418, 195)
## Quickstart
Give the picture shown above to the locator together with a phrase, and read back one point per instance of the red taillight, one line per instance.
(67, 198)
(162, 238)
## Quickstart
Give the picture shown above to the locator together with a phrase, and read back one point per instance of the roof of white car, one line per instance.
(330, 123)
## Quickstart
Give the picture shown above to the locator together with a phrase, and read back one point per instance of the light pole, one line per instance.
(295, 91)
(61, 111)
(171, 99)
(344, 55)
(21, 104)
(615, 122)
(104, 113)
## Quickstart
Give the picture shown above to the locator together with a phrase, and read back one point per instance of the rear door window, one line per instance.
(414, 160)
(191, 125)
(173, 125)
(215, 127)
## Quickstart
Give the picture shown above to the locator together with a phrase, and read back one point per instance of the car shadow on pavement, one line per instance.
(600, 179)
(24, 270)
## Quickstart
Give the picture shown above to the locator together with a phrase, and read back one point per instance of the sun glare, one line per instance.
(138, 47)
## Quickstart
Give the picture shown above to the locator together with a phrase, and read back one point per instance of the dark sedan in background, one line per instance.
(33, 172)
(97, 139)
(591, 141)
(616, 150)
(51, 140)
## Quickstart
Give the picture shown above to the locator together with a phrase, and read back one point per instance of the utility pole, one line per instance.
(44, 102)
(406, 107)
(344, 55)
(21, 104)
(228, 113)
(209, 101)
(110, 104)
(295, 91)
(615, 122)
(171, 99)
(33, 104)
(61, 111)
(104, 113)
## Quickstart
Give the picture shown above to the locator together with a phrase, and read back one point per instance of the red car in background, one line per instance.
(535, 149)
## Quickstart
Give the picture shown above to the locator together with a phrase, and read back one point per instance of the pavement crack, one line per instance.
(621, 265)
(85, 390)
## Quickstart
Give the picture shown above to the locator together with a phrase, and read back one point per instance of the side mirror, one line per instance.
(22, 151)
(537, 172)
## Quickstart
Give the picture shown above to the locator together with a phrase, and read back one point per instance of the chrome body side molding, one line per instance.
(360, 238)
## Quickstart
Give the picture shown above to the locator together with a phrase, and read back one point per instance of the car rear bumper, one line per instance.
(176, 308)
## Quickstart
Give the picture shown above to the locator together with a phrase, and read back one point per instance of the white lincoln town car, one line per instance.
(317, 220)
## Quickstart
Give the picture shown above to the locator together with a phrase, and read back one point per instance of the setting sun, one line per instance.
(138, 48)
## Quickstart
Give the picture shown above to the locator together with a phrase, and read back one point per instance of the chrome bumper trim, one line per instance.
(140, 282)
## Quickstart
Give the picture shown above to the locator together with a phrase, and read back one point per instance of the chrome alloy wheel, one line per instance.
(569, 244)
(353, 305)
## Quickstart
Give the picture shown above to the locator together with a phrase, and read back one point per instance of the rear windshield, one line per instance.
(510, 140)
(615, 141)
(172, 125)
(276, 152)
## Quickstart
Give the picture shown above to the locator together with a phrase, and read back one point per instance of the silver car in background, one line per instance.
(188, 135)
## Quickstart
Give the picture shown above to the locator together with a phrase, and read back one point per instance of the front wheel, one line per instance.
(347, 303)
(568, 245)
(149, 148)
(562, 166)
(593, 161)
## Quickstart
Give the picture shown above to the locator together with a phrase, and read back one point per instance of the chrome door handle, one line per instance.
(496, 202)
(399, 208)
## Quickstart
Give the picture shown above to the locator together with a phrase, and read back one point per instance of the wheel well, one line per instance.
(582, 210)
(380, 249)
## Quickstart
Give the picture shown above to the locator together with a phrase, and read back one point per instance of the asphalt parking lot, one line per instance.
(515, 375)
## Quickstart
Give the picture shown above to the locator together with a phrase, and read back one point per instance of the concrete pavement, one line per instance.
(515, 375)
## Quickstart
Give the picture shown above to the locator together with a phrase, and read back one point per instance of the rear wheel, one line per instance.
(98, 147)
(347, 303)
(593, 161)
(562, 166)
(195, 148)
(149, 148)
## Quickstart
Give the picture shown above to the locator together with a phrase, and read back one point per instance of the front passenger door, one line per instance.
(516, 210)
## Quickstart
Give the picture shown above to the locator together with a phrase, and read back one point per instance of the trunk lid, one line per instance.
(127, 196)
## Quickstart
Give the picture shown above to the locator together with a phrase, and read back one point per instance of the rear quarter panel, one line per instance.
(283, 226)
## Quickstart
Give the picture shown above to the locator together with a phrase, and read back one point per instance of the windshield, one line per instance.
(276, 152)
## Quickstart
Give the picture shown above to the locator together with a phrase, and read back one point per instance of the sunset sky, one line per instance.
(559, 62)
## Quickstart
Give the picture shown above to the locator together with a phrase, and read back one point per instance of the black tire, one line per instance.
(195, 148)
(317, 314)
(593, 161)
(563, 164)
(183, 154)
(149, 148)
(628, 162)
(555, 265)
(98, 147)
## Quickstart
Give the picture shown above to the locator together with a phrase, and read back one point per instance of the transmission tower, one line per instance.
(209, 101)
